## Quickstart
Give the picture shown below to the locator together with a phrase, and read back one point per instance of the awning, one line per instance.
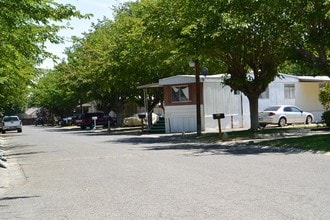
(149, 86)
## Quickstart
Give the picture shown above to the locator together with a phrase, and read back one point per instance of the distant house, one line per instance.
(180, 100)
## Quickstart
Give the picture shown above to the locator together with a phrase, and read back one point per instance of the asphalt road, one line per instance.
(71, 174)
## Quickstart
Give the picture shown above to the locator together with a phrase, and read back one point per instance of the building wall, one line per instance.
(217, 98)
(307, 97)
(182, 118)
(276, 95)
(192, 94)
(220, 99)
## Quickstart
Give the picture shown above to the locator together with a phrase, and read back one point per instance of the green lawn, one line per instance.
(277, 137)
(314, 142)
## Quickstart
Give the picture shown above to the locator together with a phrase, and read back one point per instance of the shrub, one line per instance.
(324, 96)
(326, 117)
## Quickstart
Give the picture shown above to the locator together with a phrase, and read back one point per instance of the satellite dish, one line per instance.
(205, 71)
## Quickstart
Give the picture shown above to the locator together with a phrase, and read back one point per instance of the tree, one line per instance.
(324, 96)
(113, 59)
(25, 27)
(247, 35)
(51, 93)
(312, 27)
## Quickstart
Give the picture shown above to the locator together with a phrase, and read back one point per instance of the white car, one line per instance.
(11, 123)
(283, 115)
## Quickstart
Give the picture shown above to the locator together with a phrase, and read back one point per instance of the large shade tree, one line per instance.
(113, 59)
(116, 56)
(25, 27)
(312, 47)
(52, 93)
(247, 35)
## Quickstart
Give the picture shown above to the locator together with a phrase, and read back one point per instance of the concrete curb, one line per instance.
(4, 172)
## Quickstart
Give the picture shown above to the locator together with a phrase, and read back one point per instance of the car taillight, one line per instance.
(271, 114)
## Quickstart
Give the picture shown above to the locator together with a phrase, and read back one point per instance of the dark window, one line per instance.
(289, 91)
(180, 93)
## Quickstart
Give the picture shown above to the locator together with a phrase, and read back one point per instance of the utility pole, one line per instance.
(198, 97)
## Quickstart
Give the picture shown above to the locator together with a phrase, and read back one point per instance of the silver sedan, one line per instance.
(283, 115)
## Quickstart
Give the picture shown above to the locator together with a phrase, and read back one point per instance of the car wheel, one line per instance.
(309, 119)
(263, 125)
(282, 122)
(3, 132)
(19, 130)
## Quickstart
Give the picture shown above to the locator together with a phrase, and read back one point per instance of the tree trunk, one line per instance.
(254, 113)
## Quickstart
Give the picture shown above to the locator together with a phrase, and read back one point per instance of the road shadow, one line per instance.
(24, 153)
(14, 146)
(198, 149)
(177, 142)
(97, 131)
(17, 197)
(139, 139)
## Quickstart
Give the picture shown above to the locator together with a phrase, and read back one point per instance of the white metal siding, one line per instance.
(182, 118)
(220, 99)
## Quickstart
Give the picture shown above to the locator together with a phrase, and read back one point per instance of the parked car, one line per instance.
(135, 120)
(39, 121)
(11, 123)
(283, 115)
(68, 121)
(86, 120)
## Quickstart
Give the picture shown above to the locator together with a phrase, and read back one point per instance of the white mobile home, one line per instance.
(180, 100)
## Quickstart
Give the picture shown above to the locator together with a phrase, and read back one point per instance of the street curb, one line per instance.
(4, 171)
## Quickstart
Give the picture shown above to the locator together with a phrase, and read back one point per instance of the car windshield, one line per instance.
(6, 119)
(272, 108)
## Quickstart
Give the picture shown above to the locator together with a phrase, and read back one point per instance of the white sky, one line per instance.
(99, 9)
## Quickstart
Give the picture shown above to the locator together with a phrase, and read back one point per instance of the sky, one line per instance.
(99, 9)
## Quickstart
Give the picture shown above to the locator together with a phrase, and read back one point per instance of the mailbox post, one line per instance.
(219, 116)
(142, 117)
(94, 118)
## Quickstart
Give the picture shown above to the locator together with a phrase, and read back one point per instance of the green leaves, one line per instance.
(25, 26)
(324, 96)
(153, 39)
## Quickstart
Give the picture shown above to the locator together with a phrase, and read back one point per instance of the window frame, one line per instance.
(181, 94)
(289, 91)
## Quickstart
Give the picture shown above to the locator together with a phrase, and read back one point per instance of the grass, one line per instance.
(276, 137)
(312, 142)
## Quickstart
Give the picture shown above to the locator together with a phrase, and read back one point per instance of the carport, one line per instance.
(145, 97)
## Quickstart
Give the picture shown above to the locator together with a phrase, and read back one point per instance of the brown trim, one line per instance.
(192, 94)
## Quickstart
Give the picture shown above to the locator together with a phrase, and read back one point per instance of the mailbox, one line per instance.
(218, 115)
(142, 116)
(94, 118)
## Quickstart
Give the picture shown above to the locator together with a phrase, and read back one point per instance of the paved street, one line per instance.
(58, 173)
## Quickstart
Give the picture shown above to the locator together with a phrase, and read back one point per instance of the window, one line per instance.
(265, 94)
(289, 91)
(180, 93)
